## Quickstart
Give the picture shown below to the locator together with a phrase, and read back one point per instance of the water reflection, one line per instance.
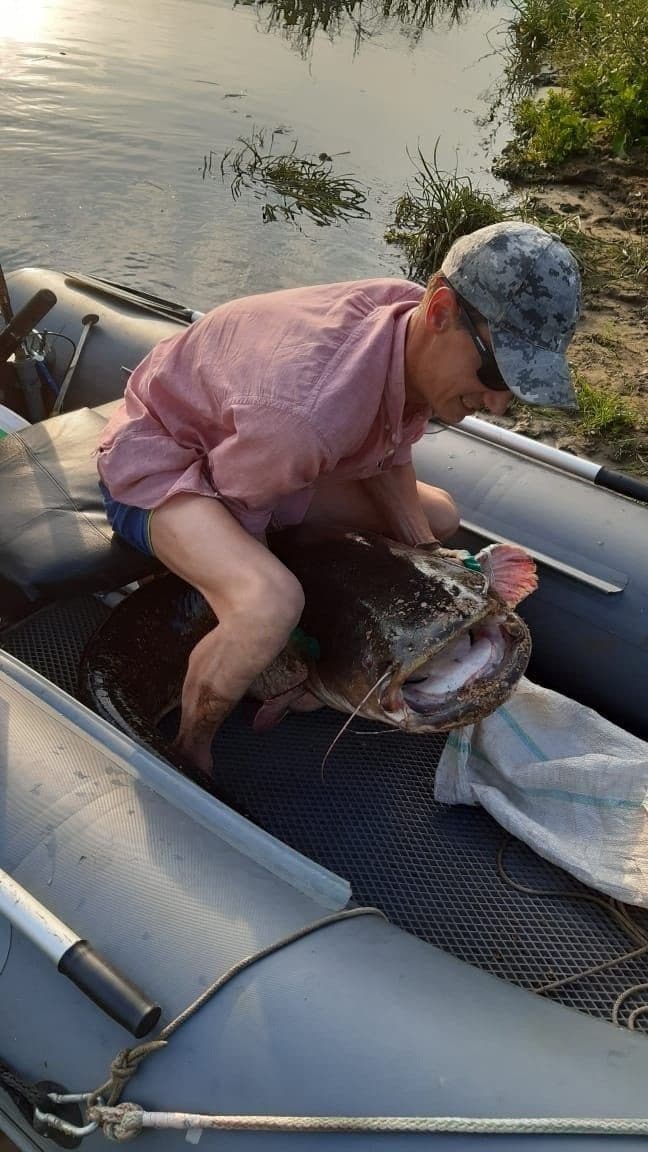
(107, 110)
(300, 20)
(23, 20)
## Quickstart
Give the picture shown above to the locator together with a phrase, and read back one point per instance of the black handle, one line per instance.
(117, 996)
(22, 323)
(631, 486)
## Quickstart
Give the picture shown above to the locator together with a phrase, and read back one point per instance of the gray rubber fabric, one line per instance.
(371, 817)
(357, 1019)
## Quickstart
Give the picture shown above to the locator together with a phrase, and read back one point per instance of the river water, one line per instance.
(109, 109)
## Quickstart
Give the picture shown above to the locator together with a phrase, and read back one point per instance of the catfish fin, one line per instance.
(510, 571)
(271, 712)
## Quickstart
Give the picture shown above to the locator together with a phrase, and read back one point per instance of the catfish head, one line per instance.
(408, 636)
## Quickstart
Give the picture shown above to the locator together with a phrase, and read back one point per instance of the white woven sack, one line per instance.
(571, 785)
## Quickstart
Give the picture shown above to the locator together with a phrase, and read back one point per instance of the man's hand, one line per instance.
(395, 496)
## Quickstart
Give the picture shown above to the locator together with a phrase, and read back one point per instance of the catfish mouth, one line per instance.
(470, 676)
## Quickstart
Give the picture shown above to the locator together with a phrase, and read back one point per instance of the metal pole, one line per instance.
(505, 438)
(88, 322)
(50, 935)
(632, 486)
(75, 958)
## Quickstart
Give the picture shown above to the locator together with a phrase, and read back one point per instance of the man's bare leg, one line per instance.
(256, 600)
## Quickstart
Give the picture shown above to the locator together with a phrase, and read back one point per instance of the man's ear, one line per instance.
(441, 309)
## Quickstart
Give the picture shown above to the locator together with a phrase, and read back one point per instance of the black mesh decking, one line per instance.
(53, 640)
(371, 817)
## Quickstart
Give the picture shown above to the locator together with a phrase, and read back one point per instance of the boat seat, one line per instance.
(55, 539)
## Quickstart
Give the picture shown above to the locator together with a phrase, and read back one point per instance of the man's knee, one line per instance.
(270, 598)
(447, 518)
(281, 599)
(440, 509)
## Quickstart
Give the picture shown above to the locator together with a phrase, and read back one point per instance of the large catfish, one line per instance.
(409, 636)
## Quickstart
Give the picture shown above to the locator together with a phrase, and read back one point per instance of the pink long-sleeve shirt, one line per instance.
(265, 394)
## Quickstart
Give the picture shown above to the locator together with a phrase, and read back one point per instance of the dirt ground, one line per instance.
(610, 348)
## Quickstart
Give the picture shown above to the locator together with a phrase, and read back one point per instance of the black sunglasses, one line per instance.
(489, 373)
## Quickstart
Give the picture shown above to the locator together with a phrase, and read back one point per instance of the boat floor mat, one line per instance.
(370, 816)
(52, 640)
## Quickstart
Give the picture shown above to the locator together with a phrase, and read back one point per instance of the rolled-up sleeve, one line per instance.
(268, 452)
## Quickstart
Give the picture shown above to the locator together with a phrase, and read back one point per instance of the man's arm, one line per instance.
(395, 495)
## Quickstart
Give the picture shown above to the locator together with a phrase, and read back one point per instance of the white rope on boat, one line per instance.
(126, 1121)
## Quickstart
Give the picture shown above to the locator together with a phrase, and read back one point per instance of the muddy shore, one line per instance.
(609, 198)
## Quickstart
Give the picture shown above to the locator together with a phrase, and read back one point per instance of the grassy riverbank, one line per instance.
(576, 94)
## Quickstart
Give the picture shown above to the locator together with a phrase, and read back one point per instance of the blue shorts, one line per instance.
(132, 524)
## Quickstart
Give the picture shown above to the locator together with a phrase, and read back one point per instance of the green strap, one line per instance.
(471, 562)
(307, 644)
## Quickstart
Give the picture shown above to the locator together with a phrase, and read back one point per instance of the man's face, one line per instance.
(443, 362)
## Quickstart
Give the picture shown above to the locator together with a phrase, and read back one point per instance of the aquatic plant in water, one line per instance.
(291, 186)
(435, 210)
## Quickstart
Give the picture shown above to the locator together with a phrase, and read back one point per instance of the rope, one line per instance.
(122, 1069)
(14, 1083)
(616, 911)
(126, 1063)
(121, 1122)
(128, 1120)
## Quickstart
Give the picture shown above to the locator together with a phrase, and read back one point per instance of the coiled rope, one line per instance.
(617, 911)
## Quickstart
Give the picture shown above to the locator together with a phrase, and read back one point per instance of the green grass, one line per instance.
(435, 210)
(599, 50)
(607, 337)
(438, 207)
(602, 413)
(633, 257)
(603, 417)
(549, 131)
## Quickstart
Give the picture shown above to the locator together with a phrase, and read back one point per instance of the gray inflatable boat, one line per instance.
(292, 962)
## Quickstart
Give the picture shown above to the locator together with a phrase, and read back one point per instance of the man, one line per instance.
(303, 405)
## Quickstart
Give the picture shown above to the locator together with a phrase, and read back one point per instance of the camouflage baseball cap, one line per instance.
(526, 284)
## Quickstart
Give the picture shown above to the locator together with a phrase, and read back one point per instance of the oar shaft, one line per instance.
(535, 449)
(75, 958)
(632, 486)
(166, 309)
(46, 931)
(23, 321)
